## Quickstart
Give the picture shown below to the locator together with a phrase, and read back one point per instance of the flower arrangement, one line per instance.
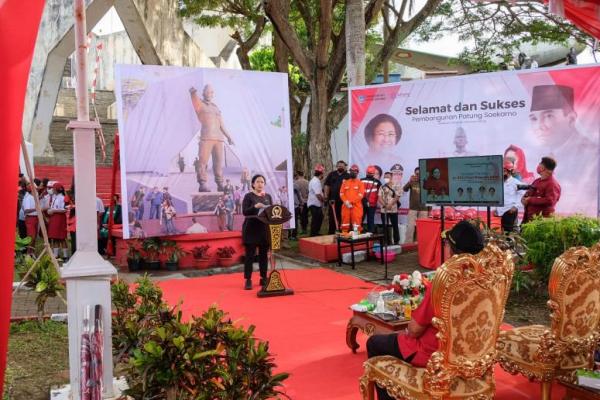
(201, 252)
(410, 287)
(225, 252)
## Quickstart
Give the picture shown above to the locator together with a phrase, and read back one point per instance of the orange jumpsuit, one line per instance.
(352, 190)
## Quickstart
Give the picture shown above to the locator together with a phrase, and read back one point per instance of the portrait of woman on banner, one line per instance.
(382, 135)
(517, 156)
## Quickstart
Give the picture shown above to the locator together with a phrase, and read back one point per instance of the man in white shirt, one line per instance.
(315, 200)
(196, 227)
(534, 64)
(31, 216)
(99, 211)
(512, 199)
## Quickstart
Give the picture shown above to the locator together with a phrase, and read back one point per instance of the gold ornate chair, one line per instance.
(469, 294)
(543, 353)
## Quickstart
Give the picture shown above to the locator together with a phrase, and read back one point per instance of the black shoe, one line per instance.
(203, 188)
(248, 284)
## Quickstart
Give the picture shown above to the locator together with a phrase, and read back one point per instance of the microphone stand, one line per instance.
(385, 241)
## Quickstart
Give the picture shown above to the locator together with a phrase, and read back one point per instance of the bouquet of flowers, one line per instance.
(410, 287)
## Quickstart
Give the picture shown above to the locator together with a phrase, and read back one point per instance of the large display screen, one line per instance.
(462, 181)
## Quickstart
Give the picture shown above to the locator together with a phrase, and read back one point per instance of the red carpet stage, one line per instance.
(307, 331)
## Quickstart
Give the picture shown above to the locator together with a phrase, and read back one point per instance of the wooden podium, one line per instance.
(274, 217)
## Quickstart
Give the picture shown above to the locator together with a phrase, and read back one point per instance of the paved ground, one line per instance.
(24, 306)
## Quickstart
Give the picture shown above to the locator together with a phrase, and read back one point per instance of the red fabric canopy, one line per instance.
(583, 13)
(19, 23)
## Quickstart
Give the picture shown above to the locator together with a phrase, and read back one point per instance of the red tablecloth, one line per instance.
(430, 241)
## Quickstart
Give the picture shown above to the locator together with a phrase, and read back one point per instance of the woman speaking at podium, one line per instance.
(254, 232)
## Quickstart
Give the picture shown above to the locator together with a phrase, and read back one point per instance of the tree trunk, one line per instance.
(299, 140)
(355, 42)
(319, 133)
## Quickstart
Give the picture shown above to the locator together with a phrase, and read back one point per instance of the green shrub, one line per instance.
(207, 357)
(547, 238)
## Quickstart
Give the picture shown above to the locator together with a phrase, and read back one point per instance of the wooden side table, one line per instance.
(370, 325)
(576, 392)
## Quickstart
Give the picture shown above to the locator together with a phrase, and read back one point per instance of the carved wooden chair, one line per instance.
(469, 295)
(543, 353)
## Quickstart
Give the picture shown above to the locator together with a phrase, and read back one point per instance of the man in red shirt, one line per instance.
(544, 192)
(372, 186)
(418, 342)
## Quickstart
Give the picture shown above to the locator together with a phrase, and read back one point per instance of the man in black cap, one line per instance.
(419, 342)
(544, 193)
(465, 237)
(332, 186)
(553, 124)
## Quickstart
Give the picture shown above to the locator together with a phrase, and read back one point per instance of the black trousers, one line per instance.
(22, 228)
(263, 259)
(316, 221)
(301, 218)
(509, 220)
(73, 242)
(369, 215)
(304, 218)
(385, 345)
(332, 219)
(392, 221)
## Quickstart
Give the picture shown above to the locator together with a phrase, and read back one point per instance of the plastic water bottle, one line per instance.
(355, 231)
(380, 305)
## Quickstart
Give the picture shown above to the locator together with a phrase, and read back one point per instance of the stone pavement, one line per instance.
(23, 304)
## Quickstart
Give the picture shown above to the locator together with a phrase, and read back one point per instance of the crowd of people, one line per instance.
(57, 206)
(373, 200)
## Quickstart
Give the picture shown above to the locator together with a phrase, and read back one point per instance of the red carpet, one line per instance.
(307, 331)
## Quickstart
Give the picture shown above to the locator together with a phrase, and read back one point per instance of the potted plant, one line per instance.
(201, 257)
(134, 256)
(225, 256)
(151, 248)
(173, 254)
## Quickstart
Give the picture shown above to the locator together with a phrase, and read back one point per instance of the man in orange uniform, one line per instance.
(351, 194)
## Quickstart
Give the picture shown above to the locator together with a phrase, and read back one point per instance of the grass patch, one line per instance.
(527, 308)
(38, 358)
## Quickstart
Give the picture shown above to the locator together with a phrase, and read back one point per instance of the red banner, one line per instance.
(19, 23)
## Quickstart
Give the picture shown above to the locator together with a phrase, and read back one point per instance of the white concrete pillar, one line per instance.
(87, 273)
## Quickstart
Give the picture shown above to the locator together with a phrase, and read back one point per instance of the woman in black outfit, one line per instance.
(254, 232)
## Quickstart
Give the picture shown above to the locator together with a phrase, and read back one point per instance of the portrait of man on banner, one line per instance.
(553, 125)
